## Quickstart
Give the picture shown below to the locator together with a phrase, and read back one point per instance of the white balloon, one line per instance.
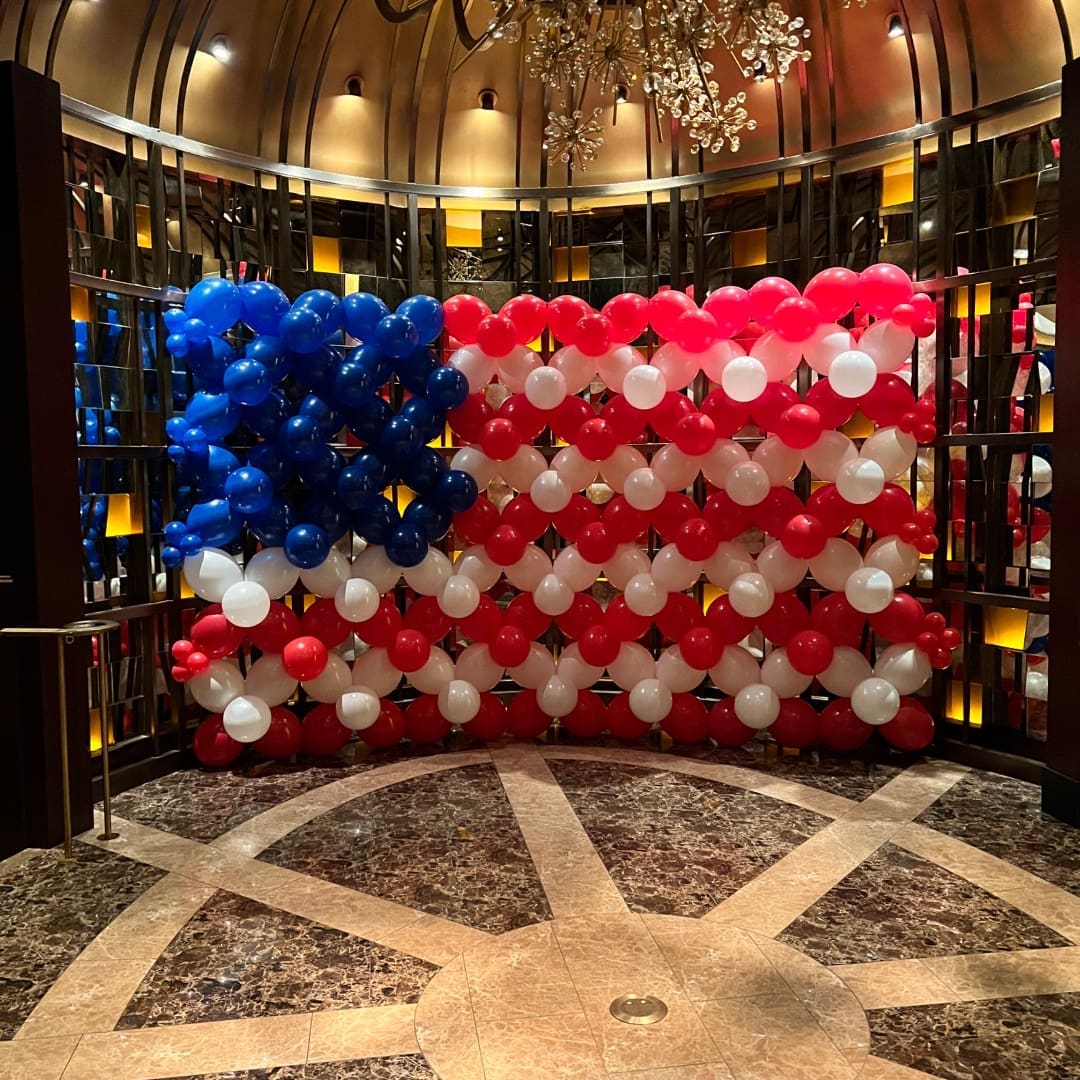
(836, 563)
(215, 687)
(516, 366)
(356, 600)
(373, 565)
(906, 667)
(735, 669)
(675, 470)
(245, 604)
(324, 579)
(268, 679)
(643, 595)
(751, 595)
(675, 673)
(577, 368)
(1036, 686)
(537, 668)
(475, 666)
(852, 374)
(545, 388)
(1042, 476)
(332, 682)
(728, 561)
(827, 343)
(459, 702)
(875, 701)
(627, 561)
(721, 459)
(576, 470)
(475, 365)
(897, 558)
(372, 668)
(574, 670)
(246, 718)
(848, 668)
(644, 490)
(358, 708)
(273, 571)
(887, 344)
(717, 357)
(475, 563)
(893, 449)
(644, 387)
(828, 454)
(744, 379)
(747, 484)
(615, 363)
(777, 672)
(437, 671)
(523, 468)
(650, 701)
(860, 481)
(429, 575)
(460, 596)
(781, 462)
(869, 590)
(553, 596)
(211, 572)
(527, 573)
(780, 357)
(678, 366)
(781, 570)
(633, 664)
(620, 465)
(572, 568)
(674, 572)
(757, 706)
(550, 492)
(476, 463)
(556, 697)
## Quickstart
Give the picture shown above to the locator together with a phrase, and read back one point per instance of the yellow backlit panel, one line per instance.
(898, 182)
(749, 248)
(326, 254)
(581, 264)
(464, 228)
(1046, 412)
(858, 427)
(954, 710)
(1005, 627)
(124, 516)
(80, 303)
(142, 225)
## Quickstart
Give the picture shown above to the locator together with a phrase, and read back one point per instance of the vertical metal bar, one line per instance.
(65, 775)
(103, 712)
(413, 244)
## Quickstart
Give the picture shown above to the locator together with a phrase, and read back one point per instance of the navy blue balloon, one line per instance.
(214, 413)
(273, 524)
(300, 438)
(400, 439)
(356, 487)
(413, 370)
(248, 382)
(367, 421)
(432, 520)
(268, 458)
(425, 313)
(171, 557)
(325, 304)
(353, 383)
(215, 521)
(447, 388)
(302, 330)
(191, 544)
(362, 312)
(262, 306)
(329, 420)
(428, 421)
(377, 521)
(266, 419)
(306, 546)
(457, 491)
(423, 470)
(396, 336)
(380, 472)
(320, 472)
(327, 514)
(219, 463)
(380, 366)
(315, 371)
(208, 364)
(174, 319)
(217, 302)
(407, 545)
(249, 490)
(270, 352)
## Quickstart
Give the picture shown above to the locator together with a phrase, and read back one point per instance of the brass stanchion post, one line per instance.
(103, 702)
(65, 783)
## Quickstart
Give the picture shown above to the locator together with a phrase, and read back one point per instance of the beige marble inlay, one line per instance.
(434, 939)
(445, 1028)
(363, 1033)
(715, 1071)
(1009, 974)
(894, 984)
(36, 1059)
(558, 1047)
(880, 1069)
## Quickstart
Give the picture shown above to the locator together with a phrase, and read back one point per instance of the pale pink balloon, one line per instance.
(574, 670)
(575, 469)
(777, 673)
(735, 669)
(898, 559)
(475, 666)
(373, 668)
(523, 468)
(836, 563)
(475, 364)
(527, 573)
(644, 490)
(572, 568)
(614, 364)
(907, 667)
(673, 571)
(627, 561)
(550, 492)
(537, 668)
(717, 357)
(828, 342)
(747, 484)
(633, 664)
(828, 454)
(779, 357)
(332, 682)
(577, 368)
(675, 469)
(887, 344)
(781, 570)
(678, 366)
(460, 596)
(848, 668)
(780, 461)
(476, 463)
(650, 701)
(553, 596)
(620, 465)
(675, 673)
(894, 450)
(644, 596)
(556, 697)
(727, 563)
(475, 563)
(514, 368)
(545, 388)
(436, 673)
(721, 459)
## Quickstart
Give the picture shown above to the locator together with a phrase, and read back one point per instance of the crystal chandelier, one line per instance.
(665, 47)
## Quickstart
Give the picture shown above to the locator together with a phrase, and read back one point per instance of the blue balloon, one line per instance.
(413, 370)
(191, 544)
(215, 301)
(247, 382)
(262, 306)
(456, 490)
(215, 521)
(315, 371)
(362, 313)
(396, 336)
(302, 330)
(380, 366)
(174, 532)
(273, 524)
(353, 383)
(266, 419)
(428, 421)
(425, 313)
(177, 345)
(320, 472)
(329, 420)
(268, 458)
(270, 352)
(196, 331)
(447, 388)
(407, 545)
(300, 438)
(174, 319)
(214, 413)
(377, 521)
(326, 304)
(196, 443)
(380, 472)
(356, 487)
(171, 557)
(249, 490)
(220, 463)
(208, 365)
(400, 439)
(432, 520)
(175, 427)
(327, 514)
(367, 421)
(306, 546)
(423, 470)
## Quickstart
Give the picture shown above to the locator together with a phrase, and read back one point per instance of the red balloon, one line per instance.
(564, 314)
(388, 730)
(889, 510)
(566, 419)
(804, 536)
(912, 728)
(484, 623)
(593, 335)
(588, 718)
(524, 718)
(495, 334)
(786, 617)
(275, 631)
(928, 642)
(524, 415)
(621, 722)
(776, 510)
(901, 621)
(728, 416)
(841, 729)
(695, 434)
(730, 626)
(628, 423)
(599, 645)
(490, 721)
(725, 728)
(499, 439)
(409, 651)
(505, 546)
(577, 513)
(509, 647)
(688, 721)
(627, 625)
(696, 539)
(596, 439)
(198, 662)
(528, 314)
(285, 737)
(322, 621)
(833, 290)
(883, 286)
(181, 650)
(477, 523)
(181, 674)
(628, 314)
(766, 296)
(838, 620)
(680, 613)
(797, 725)
(216, 637)
(582, 613)
(730, 307)
(469, 418)
(462, 315)
(772, 404)
(888, 400)
(523, 613)
(304, 658)
(624, 521)
(213, 745)
(673, 407)
(726, 516)
(665, 309)
(672, 513)
(425, 615)
(695, 330)
(796, 318)
(834, 512)
(835, 411)
(383, 626)
(809, 651)
(597, 543)
(799, 426)
(423, 721)
(323, 734)
(702, 647)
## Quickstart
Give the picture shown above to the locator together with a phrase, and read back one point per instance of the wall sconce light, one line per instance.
(220, 48)
(354, 85)
(487, 99)
(895, 26)
(622, 92)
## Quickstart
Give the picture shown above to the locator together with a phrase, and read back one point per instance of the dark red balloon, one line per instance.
(727, 517)
(621, 722)
(423, 721)
(383, 626)
(523, 613)
(525, 516)
(889, 510)
(628, 423)
(730, 626)
(593, 334)
(425, 615)
(213, 745)
(409, 651)
(496, 335)
(596, 439)
(887, 400)
(680, 613)
(628, 314)
(216, 637)
(776, 510)
(804, 536)
(835, 411)
(596, 543)
(841, 729)
(688, 720)
(810, 652)
(627, 625)
(672, 513)
(524, 415)
(786, 617)
(528, 313)
(599, 645)
(524, 718)
(701, 647)
(469, 418)
(725, 728)
(505, 546)
(564, 313)
(730, 307)
(625, 522)
(322, 620)
(664, 419)
(901, 621)
(772, 404)
(477, 523)
(323, 733)
(578, 513)
(500, 439)
(797, 725)
(304, 658)
(509, 647)
(695, 434)
(799, 426)
(484, 623)
(696, 539)
(566, 419)
(286, 734)
(834, 512)
(838, 620)
(388, 730)
(462, 315)
(582, 613)
(912, 728)
(728, 416)
(275, 631)
(588, 718)
(490, 722)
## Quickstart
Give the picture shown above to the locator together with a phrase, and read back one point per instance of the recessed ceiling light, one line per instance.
(622, 92)
(354, 85)
(220, 48)
(895, 26)
(487, 99)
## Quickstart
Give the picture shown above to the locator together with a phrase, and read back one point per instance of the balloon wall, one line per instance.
(683, 521)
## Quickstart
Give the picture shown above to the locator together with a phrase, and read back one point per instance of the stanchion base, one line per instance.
(109, 836)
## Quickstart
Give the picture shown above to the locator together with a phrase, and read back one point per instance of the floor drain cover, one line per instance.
(638, 1009)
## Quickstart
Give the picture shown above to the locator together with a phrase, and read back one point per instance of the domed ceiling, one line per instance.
(285, 93)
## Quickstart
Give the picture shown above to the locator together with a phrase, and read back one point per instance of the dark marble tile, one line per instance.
(677, 845)
(447, 844)
(898, 906)
(239, 959)
(1002, 816)
(50, 910)
(402, 1067)
(1025, 1038)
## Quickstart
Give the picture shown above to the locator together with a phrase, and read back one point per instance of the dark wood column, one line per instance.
(40, 548)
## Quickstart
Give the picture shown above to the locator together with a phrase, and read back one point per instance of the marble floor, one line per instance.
(472, 914)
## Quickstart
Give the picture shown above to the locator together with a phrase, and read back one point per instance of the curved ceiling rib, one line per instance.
(54, 35)
(189, 61)
(320, 75)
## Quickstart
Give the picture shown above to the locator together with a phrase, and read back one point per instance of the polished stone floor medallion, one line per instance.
(638, 1009)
